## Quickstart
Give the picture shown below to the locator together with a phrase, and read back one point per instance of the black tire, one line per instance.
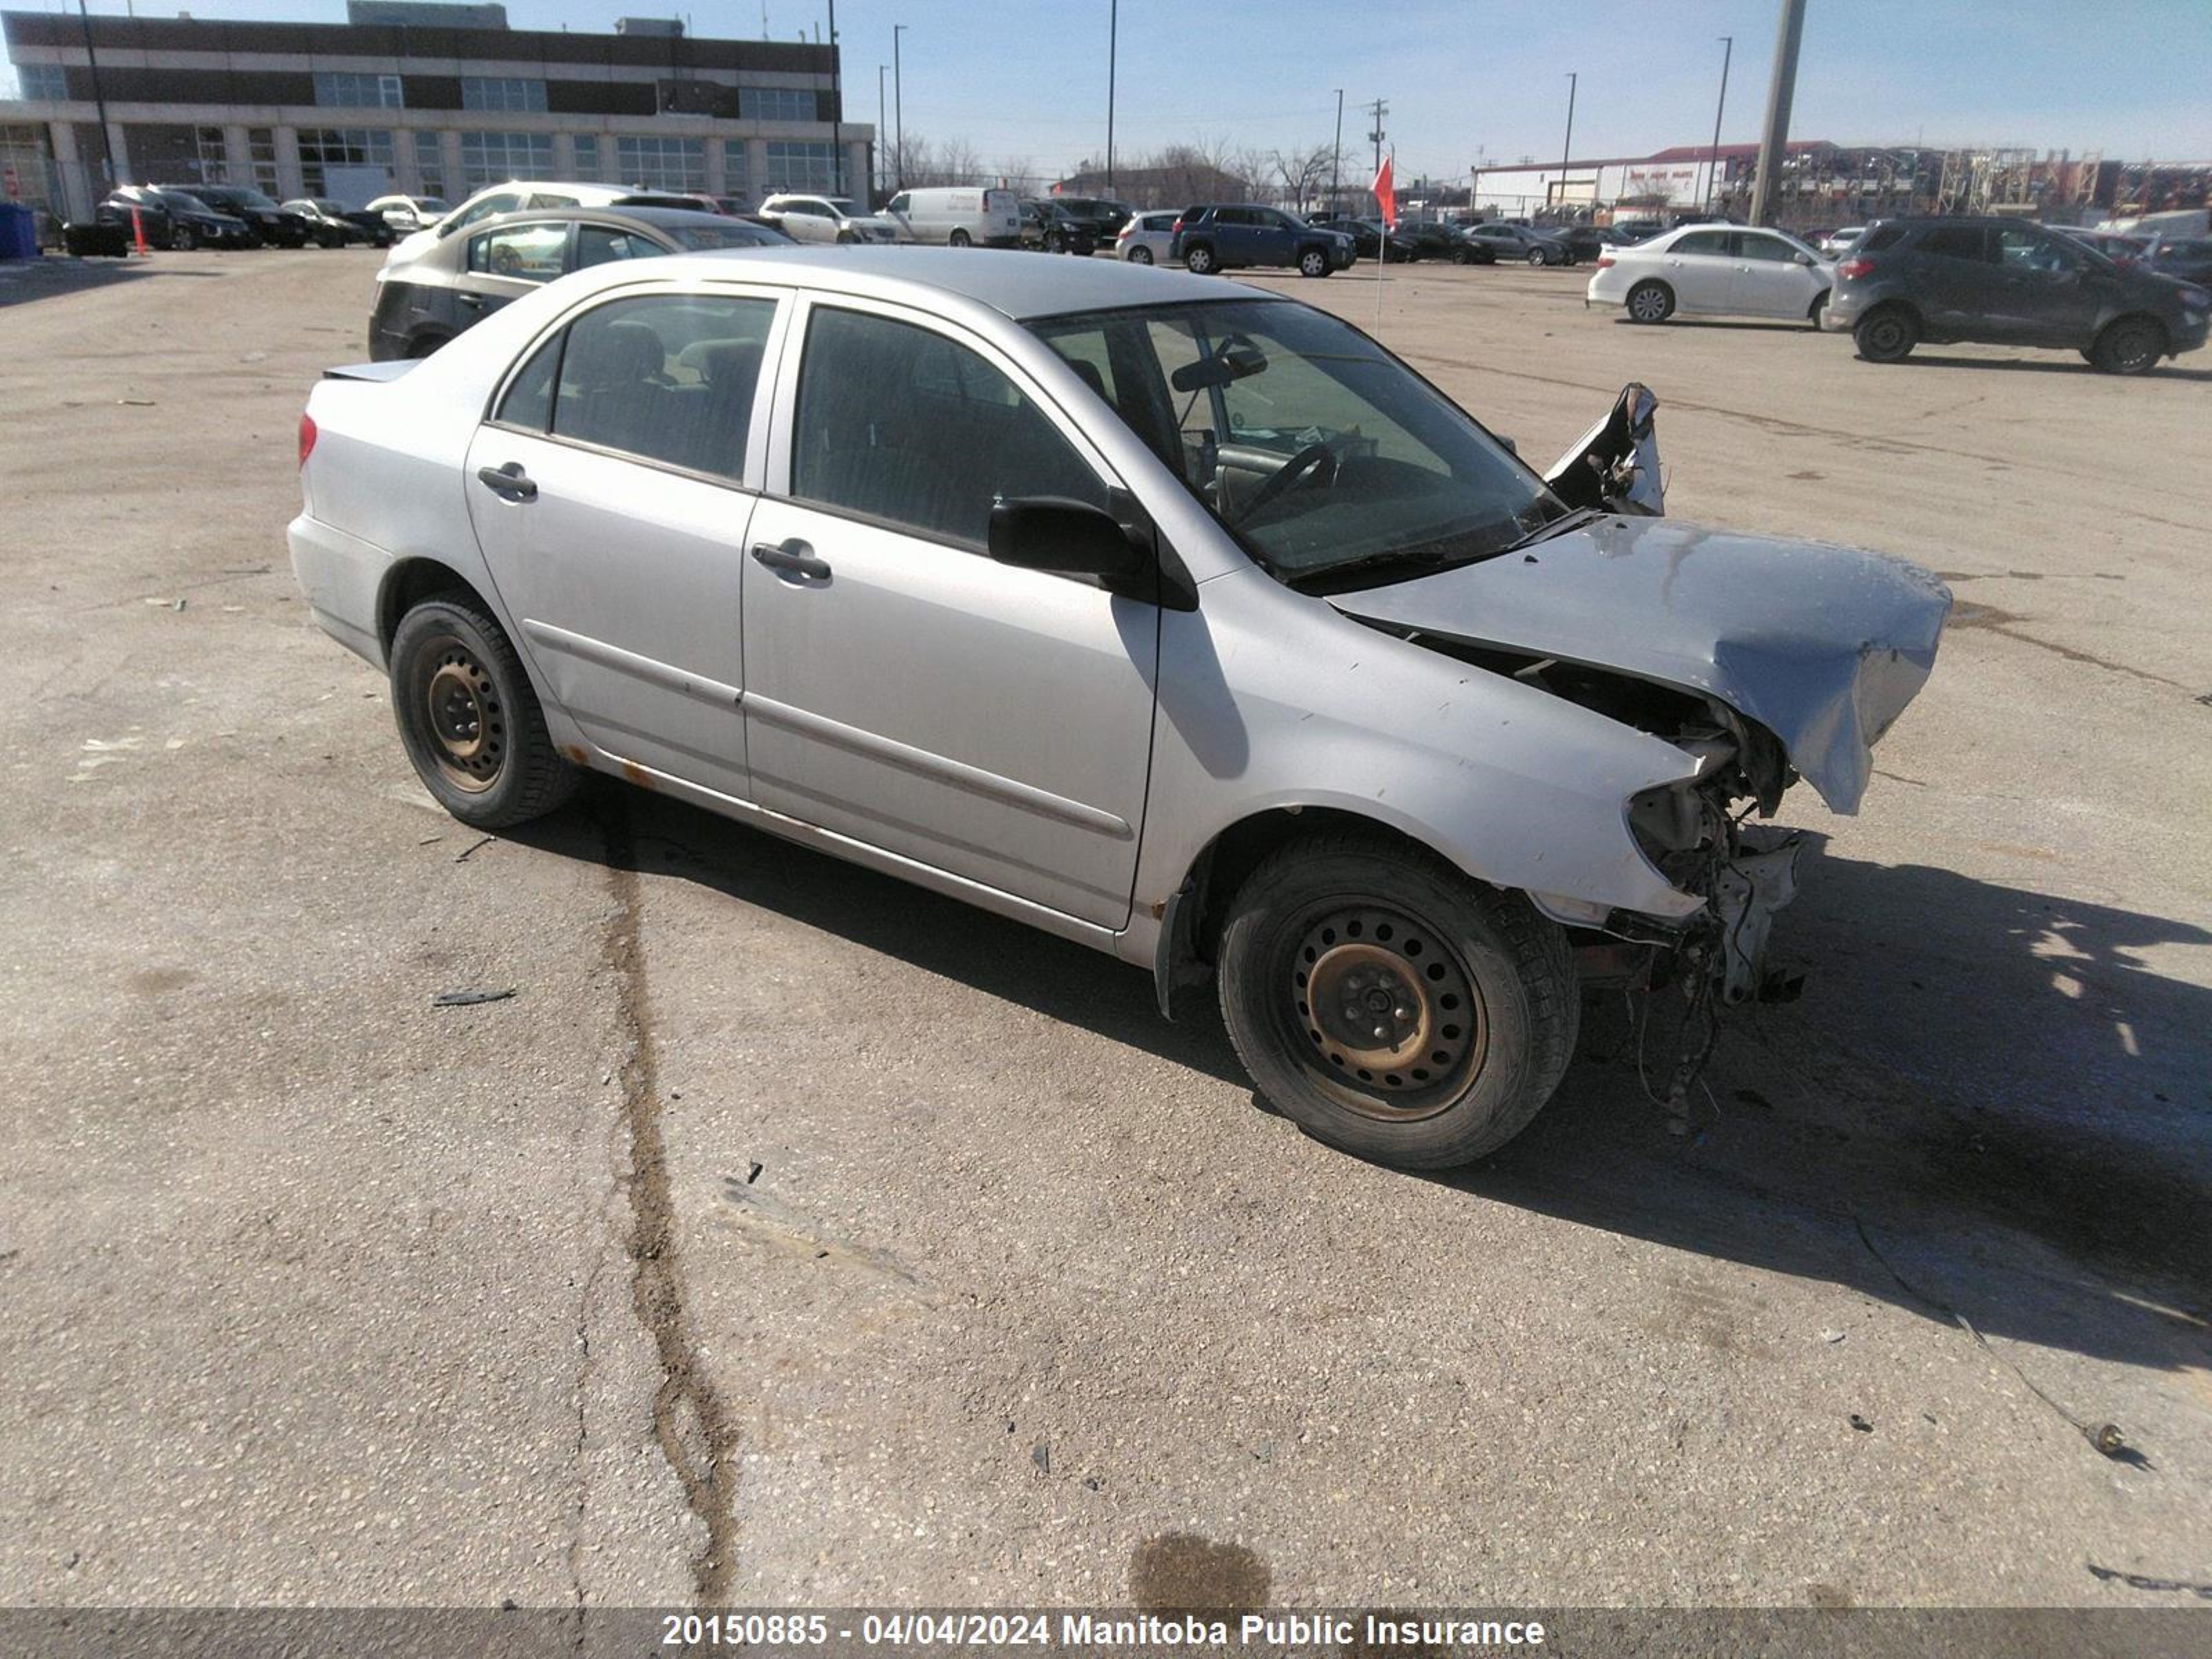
(1536, 255)
(184, 239)
(468, 719)
(1199, 260)
(1650, 301)
(959, 239)
(1498, 1001)
(1313, 263)
(1055, 243)
(2132, 345)
(1140, 256)
(423, 345)
(1462, 256)
(1887, 335)
(1819, 306)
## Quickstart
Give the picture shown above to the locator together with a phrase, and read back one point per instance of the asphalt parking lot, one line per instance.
(791, 1236)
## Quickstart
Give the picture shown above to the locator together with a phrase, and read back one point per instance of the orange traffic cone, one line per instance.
(138, 237)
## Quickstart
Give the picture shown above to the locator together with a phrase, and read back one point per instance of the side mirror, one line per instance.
(1069, 538)
(1804, 258)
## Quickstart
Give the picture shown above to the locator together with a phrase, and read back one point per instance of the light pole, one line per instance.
(1781, 91)
(1713, 162)
(1336, 152)
(883, 173)
(99, 103)
(898, 106)
(1567, 150)
(1113, 43)
(836, 107)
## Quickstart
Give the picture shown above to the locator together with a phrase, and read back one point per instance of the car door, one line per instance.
(1769, 281)
(2052, 295)
(1956, 282)
(611, 490)
(1699, 266)
(902, 688)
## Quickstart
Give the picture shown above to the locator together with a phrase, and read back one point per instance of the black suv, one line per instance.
(2001, 281)
(269, 222)
(1050, 225)
(1225, 236)
(1106, 217)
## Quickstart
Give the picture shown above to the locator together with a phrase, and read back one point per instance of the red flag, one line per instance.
(1386, 196)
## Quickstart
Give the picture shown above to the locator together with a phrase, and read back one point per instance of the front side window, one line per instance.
(899, 423)
(1772, 249)
(1956, 242)
(2026, 250)
(528, 253)
(1312, 445)
(664, 377)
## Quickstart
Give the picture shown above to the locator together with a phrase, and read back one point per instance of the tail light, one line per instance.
(1177, 225)
(1605, 262)
(307, 438)
(1852, 269)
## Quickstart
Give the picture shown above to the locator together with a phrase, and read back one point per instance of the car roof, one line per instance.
(1014, 286)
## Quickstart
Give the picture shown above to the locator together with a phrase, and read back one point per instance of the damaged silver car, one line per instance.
(1167, 615)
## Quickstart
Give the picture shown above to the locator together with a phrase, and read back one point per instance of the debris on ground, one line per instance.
(1860, 1424)
(1832, 1336)
(2144, 1581)
(462, 856)
(469, 999)
(1041, 1455)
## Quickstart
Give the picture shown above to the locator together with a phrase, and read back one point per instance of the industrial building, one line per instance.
(427, 99)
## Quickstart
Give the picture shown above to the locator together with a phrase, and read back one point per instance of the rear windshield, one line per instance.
(1879, 237)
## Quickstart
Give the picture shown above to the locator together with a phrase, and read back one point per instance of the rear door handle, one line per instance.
(795, 557)
(510, 483)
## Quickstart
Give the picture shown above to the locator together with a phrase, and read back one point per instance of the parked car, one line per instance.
(2005, 282)
(1369, 242)
(1147, 240)
(825, 219)
(2119, 249)
(171, 219)
(404, 215)
(1051, 229)
(331, 225)
(1099, 599)
(531, 196)
(270, 223)
(1105, 217)
(1510, 241)
(2187, 260)
(1628, 231)
(964, 218)
(1585, 242)
(1837, 244)
(1705, 271)
(423, 303)
(1231, 236)
(1433, 240)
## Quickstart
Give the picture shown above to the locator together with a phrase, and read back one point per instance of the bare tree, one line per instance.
(1301, 172)
(1018, 170)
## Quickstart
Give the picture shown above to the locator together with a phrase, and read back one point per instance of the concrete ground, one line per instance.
(794, 1237)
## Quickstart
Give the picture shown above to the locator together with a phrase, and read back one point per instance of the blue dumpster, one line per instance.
(19, 232)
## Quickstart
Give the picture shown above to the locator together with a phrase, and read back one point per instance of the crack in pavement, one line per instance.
(698, 1442)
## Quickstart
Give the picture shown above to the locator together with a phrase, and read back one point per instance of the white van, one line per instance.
(966, 217)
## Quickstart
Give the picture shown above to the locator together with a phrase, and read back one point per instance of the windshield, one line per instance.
(1315, 448)
(844, 206)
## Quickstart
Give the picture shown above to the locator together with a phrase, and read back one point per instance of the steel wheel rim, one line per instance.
(463, 717)
(1885, 334)
(2135, 349)
(1385, 1012)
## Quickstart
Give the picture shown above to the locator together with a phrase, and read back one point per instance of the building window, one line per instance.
(342, 91)
(493, 158)
(795, 166)
(509, 94)
(737, 168)
(340, 147)
(662, 163)
(46, 82)
(215, 156)
(776, 104)
(587, 155)
(261, 149)
(429, 165)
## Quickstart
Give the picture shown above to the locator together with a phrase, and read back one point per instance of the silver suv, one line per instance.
(1165, 614)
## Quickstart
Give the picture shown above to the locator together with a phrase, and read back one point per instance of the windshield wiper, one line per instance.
(1418, 558)
(1572, 520)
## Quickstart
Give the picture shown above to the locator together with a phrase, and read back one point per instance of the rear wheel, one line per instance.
(1313, 263)
(469, 719)
(1141, 255)
(1886, 335)
(1536, 256)
(1199, 261)
(958, 239)
(2129, 346)
(1650, 301)
(1390, 1007)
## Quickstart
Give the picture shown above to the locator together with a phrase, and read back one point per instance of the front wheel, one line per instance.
(184, 239)
(958, 239)
(1536, 256)
(1886, 335)
(1140, 256)
(1391, 1007)
(469, 719)
(2130, 346)
(1313, 263)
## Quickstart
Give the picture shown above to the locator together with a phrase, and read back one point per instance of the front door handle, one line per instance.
(794, 556)
(510, 481)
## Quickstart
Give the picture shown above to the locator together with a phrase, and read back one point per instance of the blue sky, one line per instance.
(1027, 78)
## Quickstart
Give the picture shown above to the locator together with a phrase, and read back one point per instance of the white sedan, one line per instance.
(826, 219)
(1715, 271)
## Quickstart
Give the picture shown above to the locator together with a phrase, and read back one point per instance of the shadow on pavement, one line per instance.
(50, 278)
(1985, 1083)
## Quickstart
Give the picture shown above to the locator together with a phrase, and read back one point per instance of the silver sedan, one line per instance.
(1167, 615)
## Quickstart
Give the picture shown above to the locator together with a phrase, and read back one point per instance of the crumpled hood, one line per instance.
(1824, 645)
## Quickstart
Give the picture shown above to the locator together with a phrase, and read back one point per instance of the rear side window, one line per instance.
(1956, 242)
(899, 423)
(668, 377)
(529, 253)
(1879, 237)
(598, 245)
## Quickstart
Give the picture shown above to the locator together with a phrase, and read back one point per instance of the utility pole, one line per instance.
(1113, 43)
(898, 105)
(1567, 149)
(1713, 162)
(1336, 153)
(99, 103)
(836, 107)
(1774, 136)
(1378, 109)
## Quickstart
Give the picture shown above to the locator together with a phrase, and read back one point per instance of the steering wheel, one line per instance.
(1289, 474)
